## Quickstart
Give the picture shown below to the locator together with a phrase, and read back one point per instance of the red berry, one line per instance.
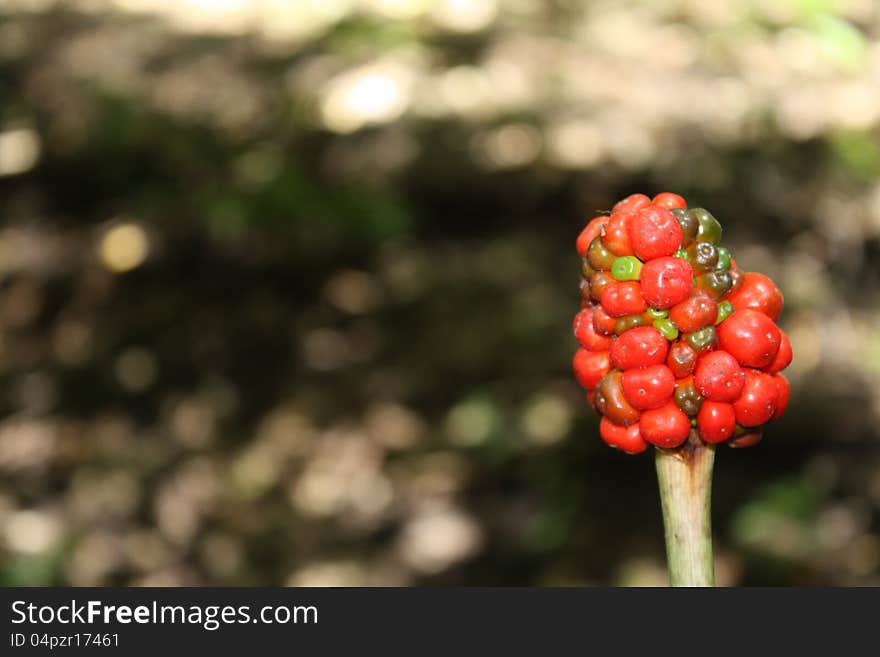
(639, 347)
(694, 313)
(650, 387)
(590, 367)
(666, 282)
(719, 377)
(758, 401)
(783, 356)
(586, 334)
(627, 439)
(654, 233)
(751, 337)
(632, 203)
(682, 359)
(669, 200)
(603, 323)
(623, 298)
(588, 234)
(784, 395)
(758, 292)
(666, 426)
(716, 421)
(615, 237)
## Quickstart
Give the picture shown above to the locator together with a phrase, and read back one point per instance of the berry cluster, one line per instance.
(673, 335)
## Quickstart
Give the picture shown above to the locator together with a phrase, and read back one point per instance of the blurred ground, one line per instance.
(286, 287)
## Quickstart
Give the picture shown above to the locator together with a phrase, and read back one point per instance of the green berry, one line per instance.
(667, 328)
(658, 313)
(723, 257)
(701, 339)
(626, 268)
(710, 229)
(725, 309)
(689, 223)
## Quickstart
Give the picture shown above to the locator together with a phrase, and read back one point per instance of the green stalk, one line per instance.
(685, 478)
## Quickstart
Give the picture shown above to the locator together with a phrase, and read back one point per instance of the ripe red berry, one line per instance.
(649, 387)
(784, 395)
(615, 237)
(654, 233)
(757, 404)
(627, 439)
(783, 356)
(758, 292)
(603, 323)
(666, 426)
(590, 367)
(716, 421)
(632, 203)
(669, 200)
(666, 282)
(612, 403)
(719, 377)
(639, 347)
(695, 312)
(623, 298)
(682, 359)
(588, 234)
(749, 336)
(586, 334)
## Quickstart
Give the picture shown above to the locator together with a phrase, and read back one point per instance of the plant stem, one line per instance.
(685, 478)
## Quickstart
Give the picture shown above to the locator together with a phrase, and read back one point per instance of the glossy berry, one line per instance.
(590, 367)
(666, 426)
(598, 282)
(616, 236)
(598, 255)
(689, 226)
(694, 313)
(649, 387)
(611, 402)
(624, 324)
(588, 234)
(710, 229)
(603, 323)
(632, 203)
(751, 337)
(681, 359)
(626, 439)
(716, 421)
(757, 404)
(687, 397)
(757, 292)
(701, 340)
(784, 389)
(666, 281)
(626, 268)
(623, 298)
(586, 334)
(667, 328)
(719, 377)
(639, 347)
(783, 355)
(669, 200)
(654, 233)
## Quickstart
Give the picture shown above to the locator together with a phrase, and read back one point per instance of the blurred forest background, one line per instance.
(286, 287)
